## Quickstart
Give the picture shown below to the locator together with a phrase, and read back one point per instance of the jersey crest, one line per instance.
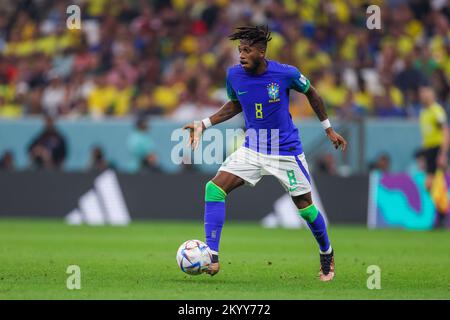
(273, 90)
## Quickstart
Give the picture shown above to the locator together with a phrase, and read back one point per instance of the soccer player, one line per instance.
(259, 88)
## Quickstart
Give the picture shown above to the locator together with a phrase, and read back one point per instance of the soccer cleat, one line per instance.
(326, 272)
(213, 268)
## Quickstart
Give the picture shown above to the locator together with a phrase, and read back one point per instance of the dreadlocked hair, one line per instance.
(254, 35)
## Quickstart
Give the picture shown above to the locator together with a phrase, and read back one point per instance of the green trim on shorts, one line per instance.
(214, 193)
(309, 213)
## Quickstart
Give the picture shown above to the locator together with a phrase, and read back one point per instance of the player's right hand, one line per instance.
(195, 133)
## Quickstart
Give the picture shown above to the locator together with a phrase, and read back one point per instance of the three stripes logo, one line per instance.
(103, 204)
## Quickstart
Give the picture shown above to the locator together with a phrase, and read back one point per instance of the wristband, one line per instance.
(207, 123)
(326, 124)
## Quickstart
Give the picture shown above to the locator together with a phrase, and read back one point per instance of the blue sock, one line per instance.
(214, 220)
(317, 225)
(319, 230)
(214, 215)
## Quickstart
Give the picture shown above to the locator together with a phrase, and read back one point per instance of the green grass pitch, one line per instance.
(138, 262)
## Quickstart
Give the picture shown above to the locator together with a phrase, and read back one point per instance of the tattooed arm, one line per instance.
(318, 106)
(316, 103)
(227, 111)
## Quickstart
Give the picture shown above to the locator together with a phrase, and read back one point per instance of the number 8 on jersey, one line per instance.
(258, 110)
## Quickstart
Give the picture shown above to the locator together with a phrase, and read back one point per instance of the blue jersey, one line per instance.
(265, 105)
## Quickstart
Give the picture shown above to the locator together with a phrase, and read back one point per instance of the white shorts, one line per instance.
(249, 165)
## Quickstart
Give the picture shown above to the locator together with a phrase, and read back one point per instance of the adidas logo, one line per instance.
(285, 213)
(104, 204)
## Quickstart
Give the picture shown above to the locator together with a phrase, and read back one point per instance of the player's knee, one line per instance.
(309, 213)
(214, 193)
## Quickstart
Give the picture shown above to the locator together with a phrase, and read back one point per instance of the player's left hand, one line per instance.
(336, 139)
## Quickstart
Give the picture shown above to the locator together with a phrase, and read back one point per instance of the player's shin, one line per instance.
(316, 224)
(214, 217)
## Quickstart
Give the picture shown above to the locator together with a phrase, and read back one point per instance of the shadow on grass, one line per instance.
(209, 280)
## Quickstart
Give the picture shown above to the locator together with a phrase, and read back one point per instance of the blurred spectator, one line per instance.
(53, 96)
(48, 149)
(9, 109)
(410, 79)
(441, 85)
(143, 54)
(385, 108)
(122, 98)
(143, 103)
(350, 110)
(394, 94)
(382, 163)
(326, 164)
(363, 96)
(388, 59)
(7, 161)
(425, 62)
(333, 91)
(195, 103)
(419, 164)
(98, 161)
(101, 97)
(142, 148)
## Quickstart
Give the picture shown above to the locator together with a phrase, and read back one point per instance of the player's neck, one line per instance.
(261, 68)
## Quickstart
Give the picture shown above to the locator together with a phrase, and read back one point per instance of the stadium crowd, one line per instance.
(160, 57)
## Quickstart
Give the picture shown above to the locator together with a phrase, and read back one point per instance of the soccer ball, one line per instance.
(193, 257)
